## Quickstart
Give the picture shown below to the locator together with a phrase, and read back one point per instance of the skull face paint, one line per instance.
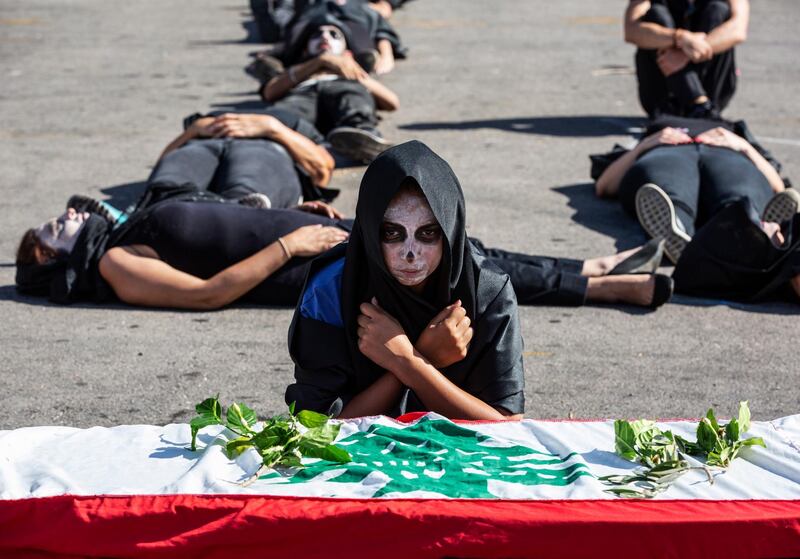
(328, 38)
(411, 239)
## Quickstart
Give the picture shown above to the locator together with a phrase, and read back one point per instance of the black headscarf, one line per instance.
(492, 369)
(731, 257)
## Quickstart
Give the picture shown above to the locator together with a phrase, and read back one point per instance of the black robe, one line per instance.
(330, 369)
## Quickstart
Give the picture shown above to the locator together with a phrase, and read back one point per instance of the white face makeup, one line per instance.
(411, 239)
(60, 233)
(328, 38)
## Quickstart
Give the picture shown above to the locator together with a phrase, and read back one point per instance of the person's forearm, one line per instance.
(773, 178)
(385, 49)
(314, 159)
(643, 34)
(733, 31)
(236, 280)
(607, 184)
(438, 393)
(377, 399)
(280, 85)
(385, 98)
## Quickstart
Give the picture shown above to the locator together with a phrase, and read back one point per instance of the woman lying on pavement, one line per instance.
(681, 176)
(415, 315)
(329, 89)
(272, 158)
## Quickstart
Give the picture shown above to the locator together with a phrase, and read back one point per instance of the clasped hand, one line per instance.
(443, 342)
(234, 125)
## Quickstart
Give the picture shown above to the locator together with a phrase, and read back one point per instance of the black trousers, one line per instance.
(699, 179)
(539, 280)
(332, 103)
(232, 168)
(673, 94)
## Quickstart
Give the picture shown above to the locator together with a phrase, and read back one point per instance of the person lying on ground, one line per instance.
(272, 158)
(163, 255)
(414, 315)
(374, 42)
(685, 172)
(685, 60)
(330, 90)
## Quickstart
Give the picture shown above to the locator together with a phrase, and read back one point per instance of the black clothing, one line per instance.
(732, 257)
(715, 78)
(699, 179)
(233, 168)
(329, 374)
(332, 103)
(203, 239)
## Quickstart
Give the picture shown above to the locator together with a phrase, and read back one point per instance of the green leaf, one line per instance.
(320, 436)
(624, 439)
(330, 452)
(707, 434)
(241, 419)
(712, 419)
(732, 431)
(754, 441)
(290, 461)
(198, 423)
(311, 419)
(291, 408)
(744, 417)
(265, 438)
(688, 447)
(236, 446)
(210, 407)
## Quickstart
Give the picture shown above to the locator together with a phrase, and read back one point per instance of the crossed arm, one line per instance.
(696, 46)
(444, 342)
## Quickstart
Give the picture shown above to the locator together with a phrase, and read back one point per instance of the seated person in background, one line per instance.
(331, 90)
(268, 159)
(414, 315)
(685, 58)
(686, 172)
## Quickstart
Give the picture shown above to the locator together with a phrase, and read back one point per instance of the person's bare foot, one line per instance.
(600, 266)
(634, 289)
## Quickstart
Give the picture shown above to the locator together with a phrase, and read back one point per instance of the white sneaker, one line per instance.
(782, 206)
(656, 214)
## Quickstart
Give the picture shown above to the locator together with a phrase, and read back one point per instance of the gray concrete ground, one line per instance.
(513, 94)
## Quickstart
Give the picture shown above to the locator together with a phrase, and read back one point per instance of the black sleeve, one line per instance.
(498, 375)
(601, 161)
(322, 367)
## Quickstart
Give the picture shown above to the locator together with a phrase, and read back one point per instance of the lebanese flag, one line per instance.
(424, 487)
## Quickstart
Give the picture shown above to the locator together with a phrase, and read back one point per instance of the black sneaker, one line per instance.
(255, 200)
(264, 67)
(357, 143)
(782, 206)
(657, 216)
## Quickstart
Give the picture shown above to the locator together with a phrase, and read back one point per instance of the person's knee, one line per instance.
(658, 13)
(715, 13)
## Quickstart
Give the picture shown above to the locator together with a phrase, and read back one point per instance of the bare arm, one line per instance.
(147, 281)
(644, 34)
(734, 30)
(281, 84)
(385, 98)
(385, 62)
(376, 399)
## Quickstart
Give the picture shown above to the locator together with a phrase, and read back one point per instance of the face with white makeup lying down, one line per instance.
(411, 239)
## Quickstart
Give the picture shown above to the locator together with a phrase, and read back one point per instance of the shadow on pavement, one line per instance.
(604, 216)
(582, 126)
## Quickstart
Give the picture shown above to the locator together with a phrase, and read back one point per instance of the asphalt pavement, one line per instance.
(515, 95)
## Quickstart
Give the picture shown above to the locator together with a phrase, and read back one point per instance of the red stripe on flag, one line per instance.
(225, 525)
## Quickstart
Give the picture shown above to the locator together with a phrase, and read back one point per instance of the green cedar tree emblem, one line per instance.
(438, 456)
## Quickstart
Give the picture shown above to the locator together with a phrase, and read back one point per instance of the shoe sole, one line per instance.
(657, 216)
(782, 207)
(357, 144)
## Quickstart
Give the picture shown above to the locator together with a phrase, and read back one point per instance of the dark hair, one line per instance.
(32, 251)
